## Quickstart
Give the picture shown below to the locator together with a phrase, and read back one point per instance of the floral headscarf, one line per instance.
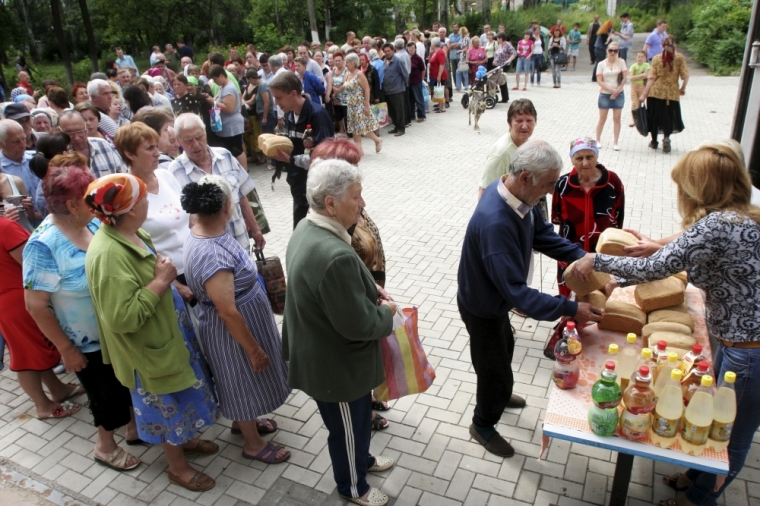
(583, 143)
(114, 195)
(668, 51)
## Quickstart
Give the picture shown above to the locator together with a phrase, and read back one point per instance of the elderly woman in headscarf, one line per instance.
(586, 201)
(145, 332)
(58, 298)
(663, 94)
(237, 327)
(335, 316)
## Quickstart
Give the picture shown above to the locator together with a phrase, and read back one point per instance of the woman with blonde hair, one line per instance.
(600, 45)
(719, 250)
(360, 120)
(611, 75)
(462, 77)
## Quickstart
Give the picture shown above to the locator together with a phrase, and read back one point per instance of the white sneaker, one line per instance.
(375, 498)
(381, 464)
(598, 145)
(616, 147)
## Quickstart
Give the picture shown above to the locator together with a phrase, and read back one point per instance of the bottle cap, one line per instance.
(729, 377)
(676, 374)
(696, 349)
(570, 325)
(613, 349)
(662, 345)
(646, 353)
(707, 380)
(703, 366)
(644, 370)
(610, 365)
(308, 126)
(672, 356)
(631, 338)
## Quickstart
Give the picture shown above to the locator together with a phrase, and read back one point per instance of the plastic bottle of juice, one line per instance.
(571, 332)
(724, 413)
(660, 353)
(646, 359)
(612, 350)
(603, 414)
(692, 381)
(666, 416)
(566, 371)
(698, 418)
(664, 375)
(627, 362)
(639, 404)
(691, 359)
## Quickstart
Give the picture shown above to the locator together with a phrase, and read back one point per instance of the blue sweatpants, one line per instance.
(350, 427)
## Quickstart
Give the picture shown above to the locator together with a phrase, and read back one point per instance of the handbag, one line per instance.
(640, 119)
(463, 66)
(438, 94)
(274, 280)
(258, 211)
(407, 370)
(560, 58)
(215, 118)
(380, 112)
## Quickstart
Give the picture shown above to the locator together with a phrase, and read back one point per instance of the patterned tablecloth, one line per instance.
(569, 408)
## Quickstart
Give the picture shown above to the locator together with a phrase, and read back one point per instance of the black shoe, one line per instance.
(653, 145)
(516, 402)
(448, 104)
(399, 134)
(496, 445)
(392, 131)
(666, 145)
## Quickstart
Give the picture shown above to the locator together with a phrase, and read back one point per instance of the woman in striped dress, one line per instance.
(237, 327)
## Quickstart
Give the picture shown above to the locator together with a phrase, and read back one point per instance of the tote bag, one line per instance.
(380, 112)
(407, 370)
(438, 94)
(215, 118)
(640, 119)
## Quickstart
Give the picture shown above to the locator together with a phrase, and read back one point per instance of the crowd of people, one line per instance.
(156, 303)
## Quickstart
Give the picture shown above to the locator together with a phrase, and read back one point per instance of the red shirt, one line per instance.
(436, 61)
(12, 236)
(27, 87)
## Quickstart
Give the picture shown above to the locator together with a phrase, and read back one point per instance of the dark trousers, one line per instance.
(418, 99)
(591, 51)
(601, 54)
(491, 348)
(408, 101)
(349, 425)
(299, 212)
(396, 110)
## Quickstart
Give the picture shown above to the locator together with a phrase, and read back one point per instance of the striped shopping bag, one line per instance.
(407, 370)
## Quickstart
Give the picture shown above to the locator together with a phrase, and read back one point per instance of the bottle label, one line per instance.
(608, 404)
(603, 422)
(566, 379)
(635, 426)
(694, 434)
(721, 432)
(664, 427)
(641, 410)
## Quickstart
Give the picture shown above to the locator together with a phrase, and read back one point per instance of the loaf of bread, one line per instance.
(674, 339)
(595, 298)
(659, 294)
(681, 308)
(596, 281)
(651, 328)
(271, 144)
(683, 277)
(623, 317)
(613, 240)
(262, 138)
(668, 315)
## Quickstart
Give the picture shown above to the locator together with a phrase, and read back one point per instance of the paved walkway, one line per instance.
(421, 191)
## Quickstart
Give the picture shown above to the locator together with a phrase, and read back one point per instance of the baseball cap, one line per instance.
(16, 111)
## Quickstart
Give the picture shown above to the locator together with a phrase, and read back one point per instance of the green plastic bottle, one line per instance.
(603, 415)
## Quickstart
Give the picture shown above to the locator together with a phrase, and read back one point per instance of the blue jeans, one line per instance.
(535, 61)
(746, 364)
(463, 79)
(419, 100)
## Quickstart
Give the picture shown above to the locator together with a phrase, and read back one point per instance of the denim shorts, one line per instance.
(606, 103)
(523, 66)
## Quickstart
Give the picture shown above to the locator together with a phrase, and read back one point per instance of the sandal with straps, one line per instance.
(200, 482)
(117, 459)
(66, 408)
(204, 447)
(377, 422)
(375, 498)
(672, 482)
(268, 454)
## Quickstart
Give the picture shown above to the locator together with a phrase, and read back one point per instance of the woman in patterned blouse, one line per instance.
(719, 250)
(502, 57)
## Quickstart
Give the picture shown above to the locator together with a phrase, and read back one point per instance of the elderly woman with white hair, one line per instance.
(335, 316)
(237, 327)
(360, 120)
(437, 67)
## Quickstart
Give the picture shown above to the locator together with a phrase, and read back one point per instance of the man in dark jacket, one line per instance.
(286, 90)
(395, 81)
(493, 278)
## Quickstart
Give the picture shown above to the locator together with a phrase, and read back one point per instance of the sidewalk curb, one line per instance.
(36, 484)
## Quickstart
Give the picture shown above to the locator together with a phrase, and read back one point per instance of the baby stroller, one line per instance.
(488, 85)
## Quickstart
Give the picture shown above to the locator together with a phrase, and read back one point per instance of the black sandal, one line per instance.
(672, 482)
(380, 406)
(377, 423)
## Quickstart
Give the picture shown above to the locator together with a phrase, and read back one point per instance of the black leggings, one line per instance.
(109, 401)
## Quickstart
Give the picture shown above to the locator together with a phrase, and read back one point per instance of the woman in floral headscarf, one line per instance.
(663, 94)
(137, 308)
(587, 200)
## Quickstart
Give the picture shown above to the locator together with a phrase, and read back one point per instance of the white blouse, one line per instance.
(168, 224)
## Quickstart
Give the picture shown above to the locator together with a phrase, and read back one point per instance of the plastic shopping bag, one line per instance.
(438, 94)
(215, 116)
(380, 112)
(407, 370)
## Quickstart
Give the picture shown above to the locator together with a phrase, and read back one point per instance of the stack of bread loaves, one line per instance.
(660, 312)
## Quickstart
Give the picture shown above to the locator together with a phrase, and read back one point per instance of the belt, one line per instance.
(749, 344)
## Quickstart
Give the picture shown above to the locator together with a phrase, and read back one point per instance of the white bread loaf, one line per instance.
(271, 144)
(595, 298)
(613, 240)
(596, 281)
(623, 317)
(683, 277)
(668, 315)
(262, 138)
(674, 339)
(651, 328)
(659, 294)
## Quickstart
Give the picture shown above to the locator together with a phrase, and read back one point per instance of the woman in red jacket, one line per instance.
(587, 200)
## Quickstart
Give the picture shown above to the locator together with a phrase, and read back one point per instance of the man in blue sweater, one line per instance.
(493, 270)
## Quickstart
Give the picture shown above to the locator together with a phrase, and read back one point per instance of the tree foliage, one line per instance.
(720, 32)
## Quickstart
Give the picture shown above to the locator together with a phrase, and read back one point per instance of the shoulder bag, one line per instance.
(270, 270)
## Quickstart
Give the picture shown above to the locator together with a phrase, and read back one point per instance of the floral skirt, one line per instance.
(177, 417)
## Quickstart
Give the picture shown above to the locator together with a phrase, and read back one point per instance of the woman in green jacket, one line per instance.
(145, 331)
(335, 316)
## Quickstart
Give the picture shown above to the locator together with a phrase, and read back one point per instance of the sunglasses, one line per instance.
(612, 50)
